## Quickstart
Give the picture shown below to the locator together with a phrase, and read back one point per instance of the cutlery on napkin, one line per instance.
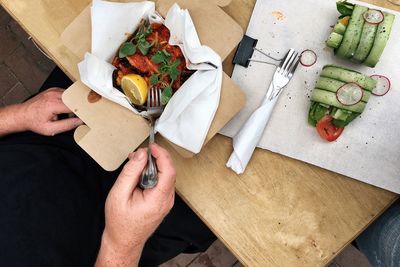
(246, 140)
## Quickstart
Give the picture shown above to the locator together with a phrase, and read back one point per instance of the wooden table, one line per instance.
(281, 212)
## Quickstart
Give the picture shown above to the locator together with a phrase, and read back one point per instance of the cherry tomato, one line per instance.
(327, 130)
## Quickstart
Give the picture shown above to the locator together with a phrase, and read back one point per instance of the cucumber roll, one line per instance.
(360, 34)
(340, 95)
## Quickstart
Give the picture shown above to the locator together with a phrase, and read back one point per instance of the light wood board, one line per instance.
(281, 212)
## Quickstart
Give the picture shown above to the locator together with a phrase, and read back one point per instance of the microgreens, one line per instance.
(166, 68)
(137, 42)
(166, 95)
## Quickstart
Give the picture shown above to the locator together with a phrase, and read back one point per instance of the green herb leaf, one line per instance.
(173, 73)
(126, 49)
(144, 47)
(140, 38)
(164, 68)
(160, 57)
(344, 8)
(166, 95)
(176, 63)
(153, 79)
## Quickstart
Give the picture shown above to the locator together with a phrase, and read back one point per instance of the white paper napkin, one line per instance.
(188, 115)
(246, 140)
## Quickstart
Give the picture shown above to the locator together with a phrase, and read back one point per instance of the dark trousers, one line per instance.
(52, 197)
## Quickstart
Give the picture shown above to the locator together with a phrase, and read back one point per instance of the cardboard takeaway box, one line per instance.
(111, 131)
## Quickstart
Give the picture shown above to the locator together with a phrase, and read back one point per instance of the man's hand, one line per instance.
(132, 214)
(40, 113)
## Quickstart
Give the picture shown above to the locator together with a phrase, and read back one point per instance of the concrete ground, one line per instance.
(23, 68)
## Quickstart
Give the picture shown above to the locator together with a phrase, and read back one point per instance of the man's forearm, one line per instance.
(110, 256)
(11, 120)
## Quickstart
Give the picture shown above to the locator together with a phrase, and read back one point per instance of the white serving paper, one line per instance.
(197, 99)
(369, 148)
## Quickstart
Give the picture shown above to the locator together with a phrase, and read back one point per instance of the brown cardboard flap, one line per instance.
(112, 131)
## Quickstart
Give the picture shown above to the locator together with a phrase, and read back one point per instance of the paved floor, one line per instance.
(23, 68)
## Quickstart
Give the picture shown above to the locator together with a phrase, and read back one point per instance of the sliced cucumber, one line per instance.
(366, 42)
(353, 33)
(348, 76)
(343, 123)
(334, 40)
(329, 84)
(381, 38)
(341, 114)
(339, 28)
(332, 85)
(329, 98)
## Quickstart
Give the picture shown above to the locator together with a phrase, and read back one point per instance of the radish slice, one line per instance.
(308, 58)
(382, 85)
(349, 94)
(373, 16)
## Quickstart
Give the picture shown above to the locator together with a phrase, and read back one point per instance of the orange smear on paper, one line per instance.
(278, 15)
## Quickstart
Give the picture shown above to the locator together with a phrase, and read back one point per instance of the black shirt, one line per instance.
(52, 197)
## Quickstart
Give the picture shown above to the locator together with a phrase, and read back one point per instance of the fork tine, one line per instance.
(148, 98)
(290, 63)
(283, 60)
(155, 96)
(159, 96)
(286, 60)
(157, 100)
(293, 68)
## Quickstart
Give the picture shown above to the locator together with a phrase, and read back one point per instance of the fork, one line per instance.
(246, 140)
(283, 74)
(149, 176)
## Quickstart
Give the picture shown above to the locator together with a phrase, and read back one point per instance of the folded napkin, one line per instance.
(188, 115)
(246, 140)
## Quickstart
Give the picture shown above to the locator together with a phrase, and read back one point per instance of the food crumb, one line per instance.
(278, 15)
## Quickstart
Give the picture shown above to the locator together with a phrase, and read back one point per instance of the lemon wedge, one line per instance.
(135, 88)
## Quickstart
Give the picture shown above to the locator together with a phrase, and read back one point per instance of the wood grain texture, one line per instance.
(281, 212)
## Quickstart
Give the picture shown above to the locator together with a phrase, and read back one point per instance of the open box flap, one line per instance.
(112, 131)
